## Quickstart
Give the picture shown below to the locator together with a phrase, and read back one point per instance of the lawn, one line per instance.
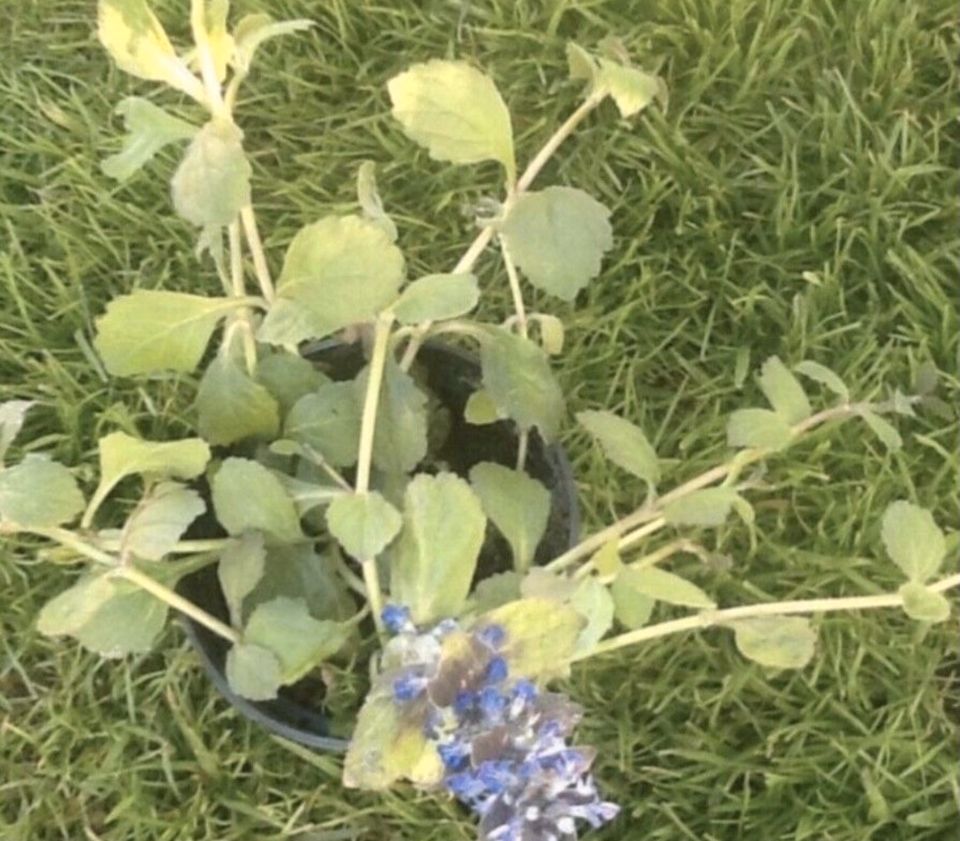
(799, 196)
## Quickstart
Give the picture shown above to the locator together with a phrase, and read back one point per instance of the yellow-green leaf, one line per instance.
(623, 443)
(455, 111)
(150, 331)
(784, 392)
(779, 642)
(558, 237)
(136, 41)
(913, 540)
(232, 407)
(363, 524)
(149, 129)
(39, 493)
(663, 586)
(339, 271)
(541, 636)
(436, 554)
(758, 428)
(518, 505)
(212, 183)
(518, 377)
(923, 604)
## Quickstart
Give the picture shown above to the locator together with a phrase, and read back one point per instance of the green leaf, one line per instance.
(240, 568)
(212, 183)
(436, 297)
(541, 636)
(232, 407)
(913, 540)
(623, 443)
(296, 572)
(107, 615)
(883, 429)
(253, 672)
(39, 493)
(308, 495)
(518, 505)
(923, 604)
(247, 497)
(495, 591)
(455, 112)
(779, 642)
(758, 428)
(122, 455)
(663, 586)
(288, 377)
(594, 603)
(150, 331)
(606, 560)
(784, 392)
(480, 409)
(253, 30)
(300, 642)
(136, 41)
(558, 237)
(400, 441)
(329, 422)
(631, 608)
(12, 414)
(370, 202)
(339, 271)
(824, 376)
(581, 64)
(388, 745)
(517, 376)
(149, 129)
(364, 524)
(631, 89)
(436, 554)
(156, 525)
(69, 611)
(708, 507)
(542, 583)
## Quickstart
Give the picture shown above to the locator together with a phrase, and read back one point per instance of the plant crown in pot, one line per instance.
(297, 467)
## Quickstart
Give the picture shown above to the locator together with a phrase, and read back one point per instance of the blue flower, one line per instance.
(492, 636)
(396, 619)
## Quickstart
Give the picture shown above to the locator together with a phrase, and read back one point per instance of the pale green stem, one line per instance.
(67, 538)
(654, 509)
(260, 267)
(712, 618)
(368, 428)
(480, 242)
(184, 547)
(178, 602)
(242, 315)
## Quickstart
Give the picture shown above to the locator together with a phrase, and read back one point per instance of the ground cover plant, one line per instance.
(780, 386)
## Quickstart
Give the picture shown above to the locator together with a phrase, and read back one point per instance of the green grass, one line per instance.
(799, 197)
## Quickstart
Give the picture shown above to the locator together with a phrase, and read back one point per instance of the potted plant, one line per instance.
(367, 510)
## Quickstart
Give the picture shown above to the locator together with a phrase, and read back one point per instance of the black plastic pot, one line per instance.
(452, 375)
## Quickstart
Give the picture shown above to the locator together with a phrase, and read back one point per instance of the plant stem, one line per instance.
(242, 315)
(653, 510)
(178, 602)
(482, 239)
(67, 538)
(711, 618)
(368, 428)
(260, 266)
(515, 291)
